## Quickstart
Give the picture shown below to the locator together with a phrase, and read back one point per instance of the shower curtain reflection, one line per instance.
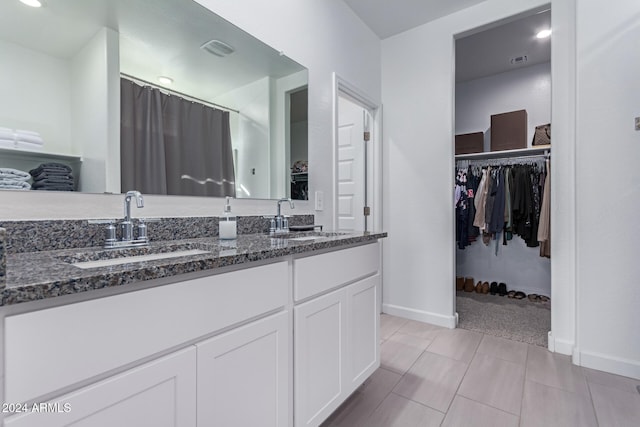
(170, 145)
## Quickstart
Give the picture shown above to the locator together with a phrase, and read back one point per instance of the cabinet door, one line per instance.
(319, 346)
(243, 376)
(160, 394)
(363, 320)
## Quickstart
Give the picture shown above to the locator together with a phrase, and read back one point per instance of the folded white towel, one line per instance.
(7, 143)
(27, 132)
(28, 145)
(14, 184)
(14, 174)
(15, 187)
(7, 135)
(30, 138)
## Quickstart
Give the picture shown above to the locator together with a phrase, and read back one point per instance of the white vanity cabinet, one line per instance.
(271, 345)
(243, 376)
(86, 347)
(336, 329)
(160, 394)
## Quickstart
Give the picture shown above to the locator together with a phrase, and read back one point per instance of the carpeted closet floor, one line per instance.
(517, 320)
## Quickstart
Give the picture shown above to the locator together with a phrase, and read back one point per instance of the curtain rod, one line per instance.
(175, 92)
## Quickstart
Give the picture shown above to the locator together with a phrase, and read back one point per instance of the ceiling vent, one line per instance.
(218, 48)
(518, 60)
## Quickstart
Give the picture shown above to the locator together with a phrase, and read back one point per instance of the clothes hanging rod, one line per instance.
(176, 93)
(501, 161)
(533, 157)
(533, 151)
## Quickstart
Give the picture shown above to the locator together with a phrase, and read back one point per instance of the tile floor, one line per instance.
(432, 376)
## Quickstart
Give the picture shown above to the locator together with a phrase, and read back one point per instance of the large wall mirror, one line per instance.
(64, 68)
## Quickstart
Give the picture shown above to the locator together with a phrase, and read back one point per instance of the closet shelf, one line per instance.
(36, 155)
(538, 149)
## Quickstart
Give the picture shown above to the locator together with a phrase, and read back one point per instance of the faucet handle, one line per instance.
(142, 229)
(110, 233)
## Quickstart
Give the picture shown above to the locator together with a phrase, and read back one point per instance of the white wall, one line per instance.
(521, 268)
(250, 136)
(522, 89)
(36, 95)
(95, 106)
(418, 94)
(517, 265)
(607, 194)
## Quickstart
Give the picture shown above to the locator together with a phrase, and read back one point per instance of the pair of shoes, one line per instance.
(534, 297)
(493, 289)
(511, 294)
(519, 295)
(478, 288)
(502, 289)
(459, 283)
(543, 298)
(485, 287)
(468, 284)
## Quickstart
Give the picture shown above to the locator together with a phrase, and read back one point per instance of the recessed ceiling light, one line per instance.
(165, 80)
(32, 3)
(543, 34)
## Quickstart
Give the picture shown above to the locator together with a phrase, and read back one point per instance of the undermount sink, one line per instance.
(110, 257)
(312, 235)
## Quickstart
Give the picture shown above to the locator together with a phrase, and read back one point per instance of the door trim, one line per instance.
(342, 87)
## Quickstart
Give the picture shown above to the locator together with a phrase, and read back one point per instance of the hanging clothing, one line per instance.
(544, 229)
(462, 210)
(508, 235)
(524, 216)
(496, 223)
(480, 202)
(499, 202)
(491, 196)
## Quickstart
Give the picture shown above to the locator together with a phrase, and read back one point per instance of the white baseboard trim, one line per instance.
(557, 345)
(420, 315)
(608, 363)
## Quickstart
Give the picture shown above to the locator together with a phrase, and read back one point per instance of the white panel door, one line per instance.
(351, 176)
(363, 320)
(243, 376)
(319, 346)
(161, 393)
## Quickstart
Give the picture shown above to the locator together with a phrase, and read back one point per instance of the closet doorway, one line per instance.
(502, 94)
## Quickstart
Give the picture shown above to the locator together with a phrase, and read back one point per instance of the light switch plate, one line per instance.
(637, 123)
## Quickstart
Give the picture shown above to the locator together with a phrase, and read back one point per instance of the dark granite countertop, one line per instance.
(40, 275)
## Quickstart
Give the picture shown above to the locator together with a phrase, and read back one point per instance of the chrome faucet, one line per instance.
(127, 226)
(280, 224)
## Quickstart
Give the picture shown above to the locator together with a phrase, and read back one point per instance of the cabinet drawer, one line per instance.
(54, 348)
(316, 274)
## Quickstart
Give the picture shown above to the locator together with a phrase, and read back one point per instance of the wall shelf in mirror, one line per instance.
(9, 154)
